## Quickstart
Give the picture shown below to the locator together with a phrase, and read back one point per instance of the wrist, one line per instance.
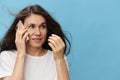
(22, 54)
(60, 60)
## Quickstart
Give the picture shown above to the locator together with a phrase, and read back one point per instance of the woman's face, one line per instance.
(37, 29)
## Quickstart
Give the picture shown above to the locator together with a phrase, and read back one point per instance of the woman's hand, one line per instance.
(20, 40)
(57, 45)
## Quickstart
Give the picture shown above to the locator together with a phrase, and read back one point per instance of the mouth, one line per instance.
(37, 39)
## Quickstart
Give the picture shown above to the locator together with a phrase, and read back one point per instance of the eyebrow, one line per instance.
(39, 25)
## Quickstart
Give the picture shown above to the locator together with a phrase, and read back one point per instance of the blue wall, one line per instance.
(95, 29)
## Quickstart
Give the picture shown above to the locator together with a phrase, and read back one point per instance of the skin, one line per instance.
(35, 27)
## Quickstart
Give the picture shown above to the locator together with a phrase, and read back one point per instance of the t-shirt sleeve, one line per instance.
(5, 64)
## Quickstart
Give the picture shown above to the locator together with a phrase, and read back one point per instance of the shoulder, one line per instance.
(50, 52)
(5, 55)
(8, 53)
(7, 60)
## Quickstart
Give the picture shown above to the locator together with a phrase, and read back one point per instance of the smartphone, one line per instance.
(20, 24)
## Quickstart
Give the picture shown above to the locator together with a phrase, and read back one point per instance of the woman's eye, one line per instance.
(43, 26)
(31, 26)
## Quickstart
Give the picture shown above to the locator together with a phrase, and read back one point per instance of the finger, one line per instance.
(20, 28)
(22, 32)
(52, 42)
(56, 46)
(25, 36)
(58, 39)
(52, 46)
(17, 28)
(55, 42)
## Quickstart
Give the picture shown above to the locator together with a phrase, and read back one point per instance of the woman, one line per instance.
(35, 49)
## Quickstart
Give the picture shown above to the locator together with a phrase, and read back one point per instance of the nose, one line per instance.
(37, 31)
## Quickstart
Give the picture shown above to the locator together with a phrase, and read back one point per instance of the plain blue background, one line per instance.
(95, 29)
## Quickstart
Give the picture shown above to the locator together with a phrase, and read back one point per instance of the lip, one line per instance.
(37, 39)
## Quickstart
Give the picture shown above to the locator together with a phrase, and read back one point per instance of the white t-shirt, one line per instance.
(36, 68)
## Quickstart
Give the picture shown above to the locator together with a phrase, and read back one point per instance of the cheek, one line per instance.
(44, 33)
(30, 35)
(30, 31)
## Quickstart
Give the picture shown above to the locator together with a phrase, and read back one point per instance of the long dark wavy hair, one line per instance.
(8, 42)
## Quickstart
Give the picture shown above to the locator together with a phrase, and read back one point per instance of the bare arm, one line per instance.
(62, 70)
(18, 72)
(58, 46)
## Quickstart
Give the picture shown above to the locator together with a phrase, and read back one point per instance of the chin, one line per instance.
(37, 45)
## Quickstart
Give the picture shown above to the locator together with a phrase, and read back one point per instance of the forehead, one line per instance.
(34, 18)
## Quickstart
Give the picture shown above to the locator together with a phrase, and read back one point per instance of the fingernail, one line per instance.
(53, 34)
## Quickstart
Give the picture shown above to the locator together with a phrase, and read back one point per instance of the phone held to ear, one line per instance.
(20, 24)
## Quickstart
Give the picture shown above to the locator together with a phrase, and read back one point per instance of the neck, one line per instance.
(36, 51)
